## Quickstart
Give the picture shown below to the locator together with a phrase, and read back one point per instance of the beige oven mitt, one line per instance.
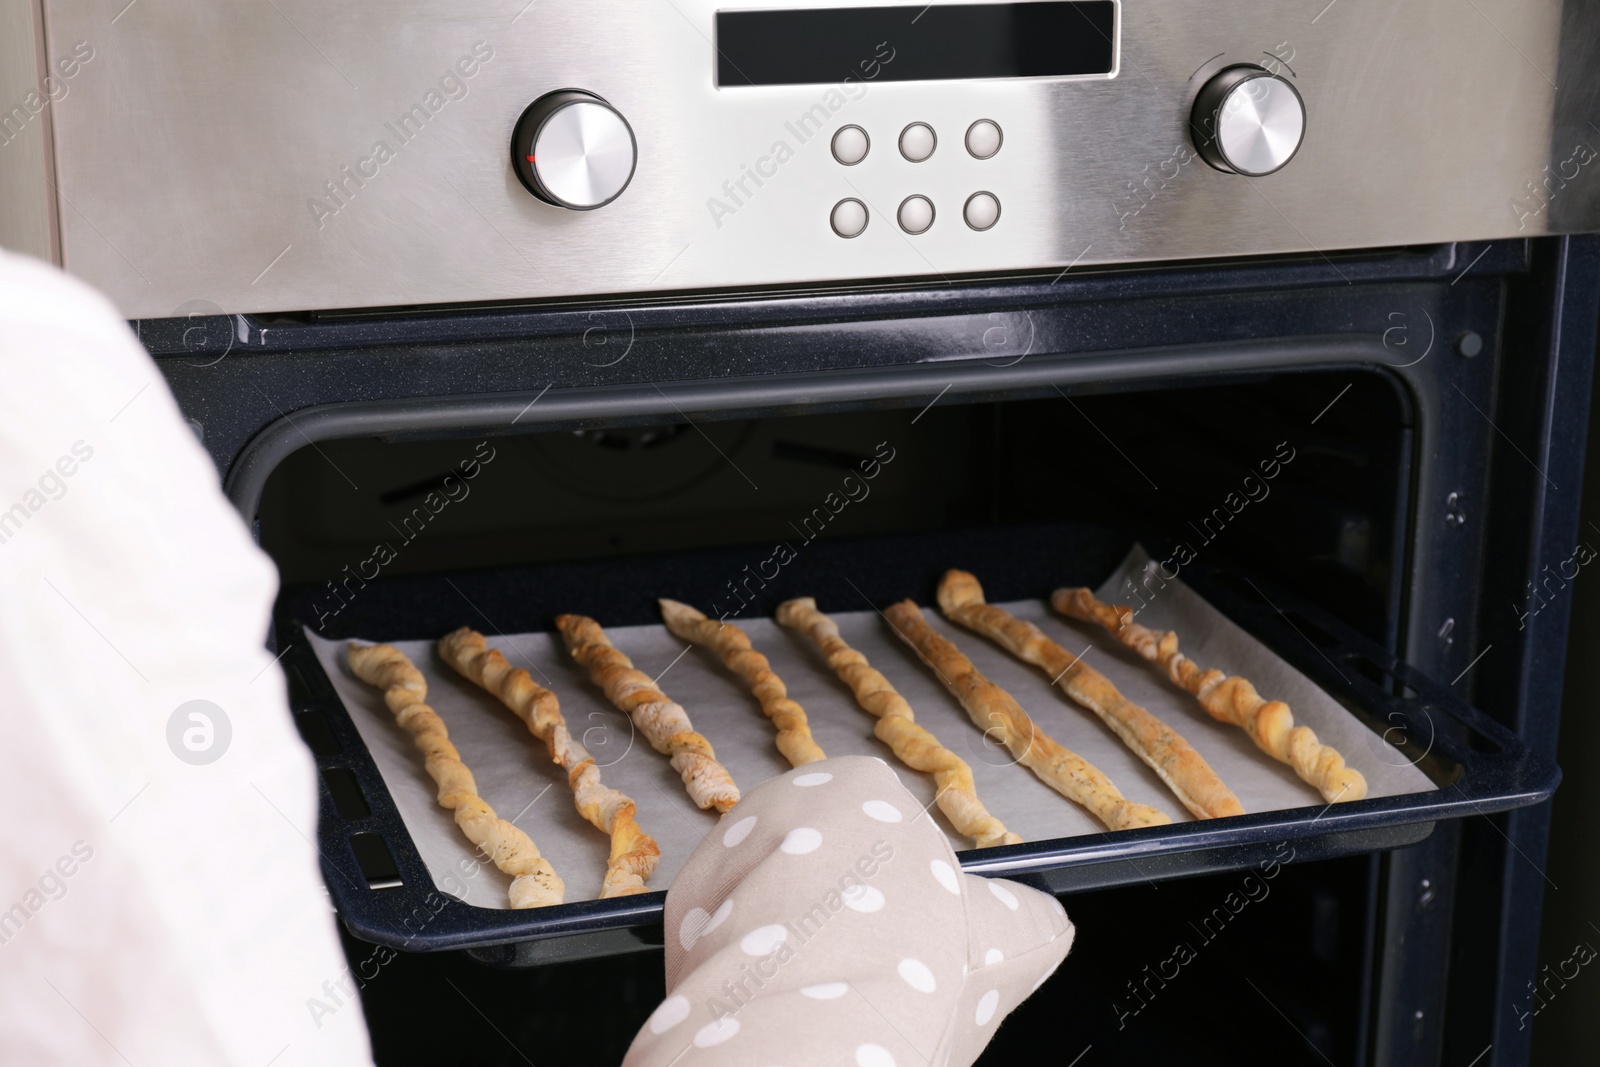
(825, 920)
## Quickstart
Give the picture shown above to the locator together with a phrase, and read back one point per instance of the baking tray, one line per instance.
(385, 893)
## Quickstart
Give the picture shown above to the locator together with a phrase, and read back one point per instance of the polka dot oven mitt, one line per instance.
(824, 920)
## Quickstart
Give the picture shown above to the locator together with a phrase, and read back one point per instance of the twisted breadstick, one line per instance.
(733, 645)
(896, 727)
(633, 852)
(664, 724)
(992, 709)
(534, 883)
(1184, 770)
(1235, 701)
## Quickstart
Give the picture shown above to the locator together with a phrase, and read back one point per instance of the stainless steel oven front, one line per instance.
(296, 155)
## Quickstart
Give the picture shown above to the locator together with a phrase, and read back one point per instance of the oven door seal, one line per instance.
(908, 385)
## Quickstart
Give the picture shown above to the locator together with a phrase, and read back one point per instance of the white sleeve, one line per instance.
(153, 909)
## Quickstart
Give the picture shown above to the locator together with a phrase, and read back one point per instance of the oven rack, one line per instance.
(385, 894)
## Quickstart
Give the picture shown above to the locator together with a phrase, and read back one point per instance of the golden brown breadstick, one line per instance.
(664, 724)
(993, 710)
(897, 727)
(733, 645)
(633, 852)
(534, 883)
(1235, 701)
(1184, 770)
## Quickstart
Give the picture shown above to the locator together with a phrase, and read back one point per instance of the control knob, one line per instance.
(1248, 121)
(574, 150)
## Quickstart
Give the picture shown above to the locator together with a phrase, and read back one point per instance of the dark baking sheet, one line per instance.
(385, 894)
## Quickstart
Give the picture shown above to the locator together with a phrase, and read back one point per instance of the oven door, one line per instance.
(1084, 413)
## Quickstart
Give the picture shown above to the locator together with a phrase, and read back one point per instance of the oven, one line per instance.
(1084, 268)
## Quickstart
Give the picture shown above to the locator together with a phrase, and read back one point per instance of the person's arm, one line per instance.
(160, 900)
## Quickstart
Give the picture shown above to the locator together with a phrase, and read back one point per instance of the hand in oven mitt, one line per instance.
(825, 920)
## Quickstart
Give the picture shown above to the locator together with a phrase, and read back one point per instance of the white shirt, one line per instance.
(153, 911)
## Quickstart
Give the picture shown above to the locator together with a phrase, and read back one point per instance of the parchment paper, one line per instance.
(518, 780)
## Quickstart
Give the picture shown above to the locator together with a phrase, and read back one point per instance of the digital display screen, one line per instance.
(939, 42)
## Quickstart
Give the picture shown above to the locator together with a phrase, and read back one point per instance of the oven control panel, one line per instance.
(573, 150)
(433, 153)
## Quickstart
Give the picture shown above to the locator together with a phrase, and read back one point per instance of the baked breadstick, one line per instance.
(1235, 701)
(633, 852)
(733, 645)
(1183, 769)
(993, 710)
(897, 727)
(534, 883)
(664, 724)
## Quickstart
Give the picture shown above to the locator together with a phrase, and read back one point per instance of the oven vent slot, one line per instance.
(348, 799)
(316, 733)
(375, 860)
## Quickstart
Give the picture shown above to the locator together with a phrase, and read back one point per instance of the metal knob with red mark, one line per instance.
(573, 150)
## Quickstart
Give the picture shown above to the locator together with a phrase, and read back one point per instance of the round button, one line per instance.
(849, 217)
(850, 145)
(1248, 121)
(916, 214)
(982, 210)
(983, 138)
(917, 141)
(572, 149)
